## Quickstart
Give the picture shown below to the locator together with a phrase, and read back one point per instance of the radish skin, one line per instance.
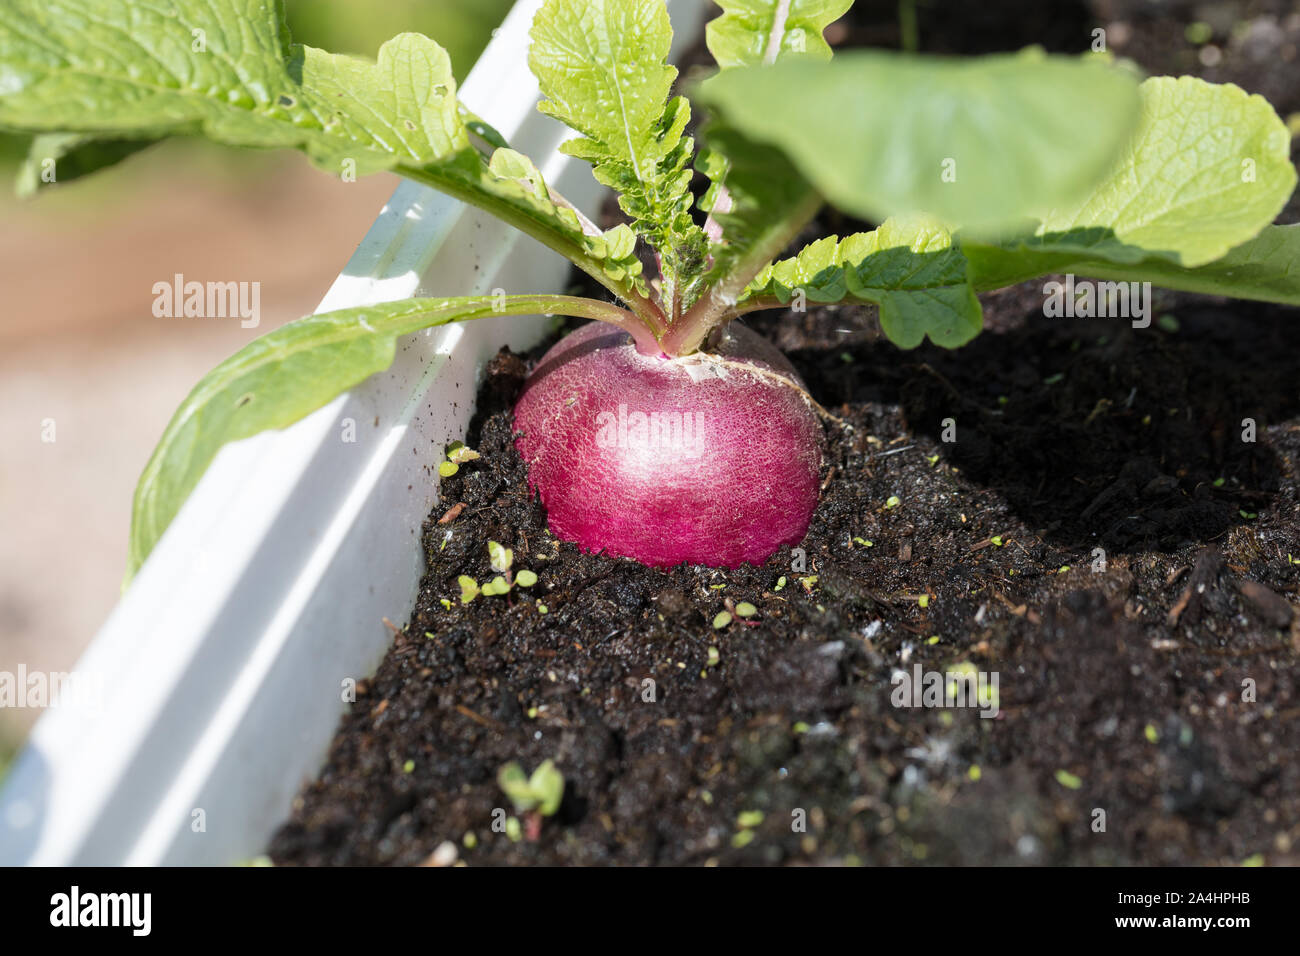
(710, 459)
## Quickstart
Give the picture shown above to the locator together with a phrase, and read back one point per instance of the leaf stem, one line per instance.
(445, 180)
(718, 304)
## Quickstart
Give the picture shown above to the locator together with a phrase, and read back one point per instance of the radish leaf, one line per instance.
(909, 268)
(69, 156)
(751, 32)
(757, 200)
(1266, 268)
(284, 375)
(602, 66)
(1208, 169)
(113, 69)
(979, 143)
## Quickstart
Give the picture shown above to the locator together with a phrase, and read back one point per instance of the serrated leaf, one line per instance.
(1208, 168)
(286, 374)
(750, 32)
(765, 201)
(245, 85)
(1266, 268)
(1177, 201)
(601, 65)
(981, 142)
(225, 69)
(908, 267)
(756, 199)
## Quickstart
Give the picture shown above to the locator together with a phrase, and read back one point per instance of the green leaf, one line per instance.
(750, 32)
(981, 142)
(225, 69)
(757, 201)
(543, 791)
(515, 785)
(1267, 268)
(601, 65)
(64, 157)
(286, 374)
(908, 267)
(764, 203)
(469, 588)
(497, 585)
(509, 164)
(1208, 168)
(547, 784)
(500, 557)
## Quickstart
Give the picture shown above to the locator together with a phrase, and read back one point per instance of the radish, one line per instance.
(691, 440)
(710, 458)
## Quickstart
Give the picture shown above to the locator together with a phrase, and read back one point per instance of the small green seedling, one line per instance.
(1068, 780)
(501, 559)
(457, 454)
(540, 793)
(469, 588)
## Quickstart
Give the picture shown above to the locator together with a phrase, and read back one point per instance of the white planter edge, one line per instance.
(214, 688)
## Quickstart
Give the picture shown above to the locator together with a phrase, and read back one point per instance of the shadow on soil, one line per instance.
(1095, 432)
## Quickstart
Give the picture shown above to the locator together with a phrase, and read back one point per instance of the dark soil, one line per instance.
(1098, 535)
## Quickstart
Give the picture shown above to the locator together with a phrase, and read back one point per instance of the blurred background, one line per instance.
(81, 350)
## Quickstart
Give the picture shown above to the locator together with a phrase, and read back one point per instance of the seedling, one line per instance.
(457, 455)
(982, 173)
(501, 560)
(534, 797)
